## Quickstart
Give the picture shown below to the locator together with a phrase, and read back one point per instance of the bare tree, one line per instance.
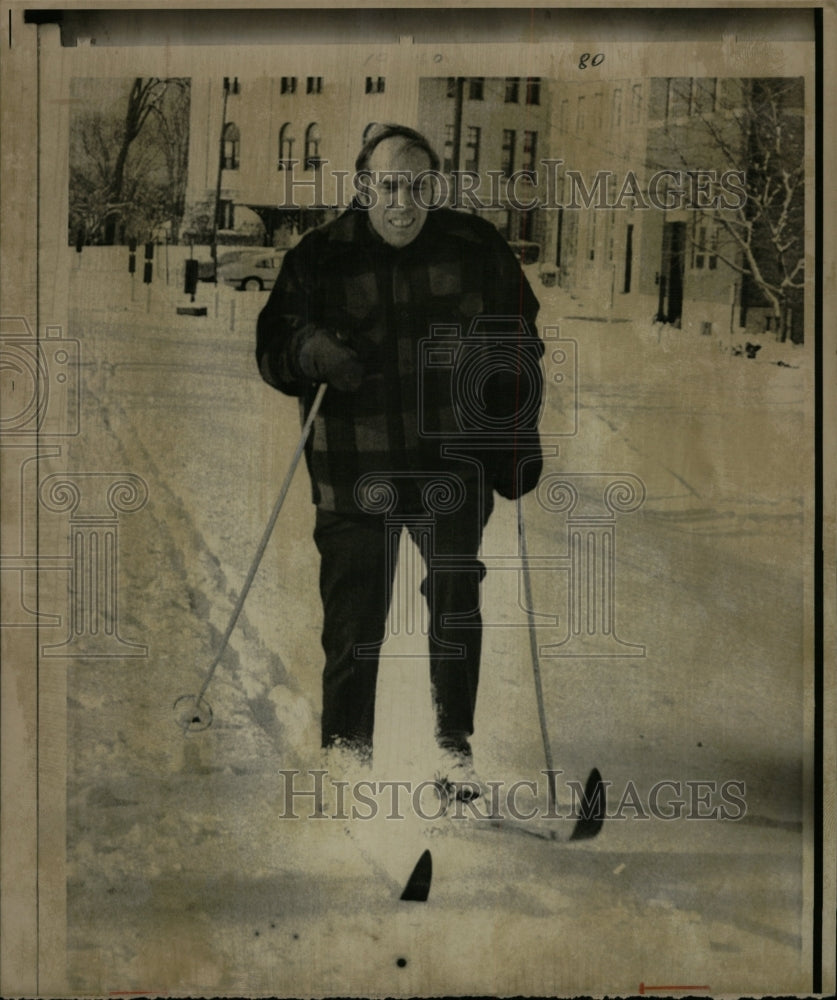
(173, 129)
(753, 128)
(144, 97)
(129, 160)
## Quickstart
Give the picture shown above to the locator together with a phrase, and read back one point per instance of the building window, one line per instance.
(232, 147)
(636, 103)
(678, 96)
(231, 85)
(598, 104)
(375, 84)
(314, 85)
(286, 146)
(447, 164)
(616, 108)
(475, 88)
(530, 151)
(704, 95)
(288, 85)
(533, 90)
(507, 159)
(226, 214)
(512, 89)
(450, 90)
(705, 247)
(472, 149)
(580, 115)
(312, 147)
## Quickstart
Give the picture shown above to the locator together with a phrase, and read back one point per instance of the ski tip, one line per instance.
(593, 806)
(417, 888)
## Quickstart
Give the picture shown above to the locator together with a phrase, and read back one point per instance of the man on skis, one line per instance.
(421, 321)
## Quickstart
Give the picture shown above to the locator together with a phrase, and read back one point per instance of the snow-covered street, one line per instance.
(183, 879)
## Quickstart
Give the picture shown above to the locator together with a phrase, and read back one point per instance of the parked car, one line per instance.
(206, 268)
(251, 270)
(526, 251)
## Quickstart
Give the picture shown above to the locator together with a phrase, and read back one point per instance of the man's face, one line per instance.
(394, 213)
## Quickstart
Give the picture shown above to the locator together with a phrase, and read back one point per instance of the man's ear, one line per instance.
(364, 195)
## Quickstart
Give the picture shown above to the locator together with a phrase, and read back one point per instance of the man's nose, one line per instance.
(403, 196)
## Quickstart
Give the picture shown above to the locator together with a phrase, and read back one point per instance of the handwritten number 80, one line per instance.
(597, 60)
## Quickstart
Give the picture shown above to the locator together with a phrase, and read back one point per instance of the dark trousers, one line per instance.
(356, 579)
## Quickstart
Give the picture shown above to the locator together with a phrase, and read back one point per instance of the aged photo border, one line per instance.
(32, 825)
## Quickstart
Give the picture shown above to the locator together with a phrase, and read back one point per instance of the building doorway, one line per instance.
(629, 257)
(672, 268)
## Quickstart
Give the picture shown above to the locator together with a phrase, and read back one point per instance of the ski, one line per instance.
(417, 888)
(586, 825)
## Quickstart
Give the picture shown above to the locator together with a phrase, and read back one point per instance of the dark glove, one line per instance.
(516, 472)
(325, 357)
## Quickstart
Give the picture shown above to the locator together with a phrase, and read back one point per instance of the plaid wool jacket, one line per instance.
(445, 330)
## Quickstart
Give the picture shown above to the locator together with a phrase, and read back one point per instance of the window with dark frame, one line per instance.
(705, 246)
(231, 154)
(475, 88)
(636, 103)
(530, 151)
(375, 84)
(313, 161)
(472, 148)
(678, 98)
(580, 114)
(287, 85)
(616, 108)
(314, 85)
(533, 90)
(507, 155)
(512, 89)
(598, 112)
(225, 217)
(286, 146)
(447, 159)
(704, 95)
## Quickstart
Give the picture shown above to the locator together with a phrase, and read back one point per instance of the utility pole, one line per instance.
(214, 246)
(456, 152)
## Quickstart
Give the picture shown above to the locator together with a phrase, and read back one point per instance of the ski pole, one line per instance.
(196, 721)
(533, 647)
